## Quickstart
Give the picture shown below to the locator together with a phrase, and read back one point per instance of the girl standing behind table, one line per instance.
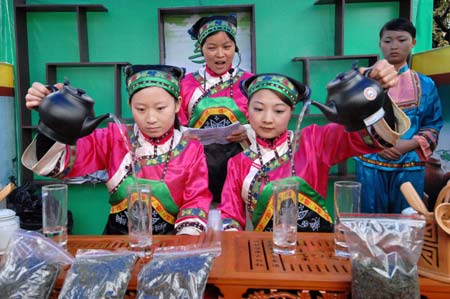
(173, 165)
(212, 97)
(382, 174)
(272, 99)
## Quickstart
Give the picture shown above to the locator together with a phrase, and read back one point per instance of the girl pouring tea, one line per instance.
(246, 196)
(153, 151)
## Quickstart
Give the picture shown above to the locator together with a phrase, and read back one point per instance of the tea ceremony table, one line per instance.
(247, 268)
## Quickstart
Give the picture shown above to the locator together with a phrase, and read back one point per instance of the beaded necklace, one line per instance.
(208, 92)
(169, 156)
(169, 153)
(262, 176)
(162, 138)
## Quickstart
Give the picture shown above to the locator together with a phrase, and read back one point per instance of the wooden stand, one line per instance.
(435, 259)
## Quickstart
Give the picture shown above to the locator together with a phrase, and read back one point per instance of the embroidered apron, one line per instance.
(312, 213)
(164, 208)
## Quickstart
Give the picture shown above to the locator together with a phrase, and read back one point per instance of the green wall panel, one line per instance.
(52, 37)
(90, 208)
(363, 22)
(423, 23)
(288, 29)
(96, 81)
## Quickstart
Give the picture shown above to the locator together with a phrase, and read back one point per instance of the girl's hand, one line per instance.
(390, 154)
(191, 136)
(401, 147)
(238, 135)
(384, 72)
(36, 93)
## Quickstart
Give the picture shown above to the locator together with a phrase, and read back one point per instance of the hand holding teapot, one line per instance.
(383, 72)
(37, 92)
(66, 114)
(354, 101)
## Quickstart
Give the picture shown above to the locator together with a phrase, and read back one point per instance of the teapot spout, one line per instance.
(328, 110)
(90, 123)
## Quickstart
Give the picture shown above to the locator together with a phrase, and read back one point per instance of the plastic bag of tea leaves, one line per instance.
(178, 272)
(384, 251)
(30, 266)
(99, 274)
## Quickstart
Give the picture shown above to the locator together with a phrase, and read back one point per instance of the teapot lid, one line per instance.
(343, 78)
(76, 92)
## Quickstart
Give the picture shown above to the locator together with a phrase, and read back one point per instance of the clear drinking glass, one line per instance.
(54, 213)
(347, 200)
(140, 217)
(2, 200)
(215, 220)
(285, 216)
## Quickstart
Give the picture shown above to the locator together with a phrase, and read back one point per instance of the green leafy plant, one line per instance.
(441, 23)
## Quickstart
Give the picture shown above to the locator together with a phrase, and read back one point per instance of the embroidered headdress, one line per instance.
(206, 26)
(165, 76)
(290, 88)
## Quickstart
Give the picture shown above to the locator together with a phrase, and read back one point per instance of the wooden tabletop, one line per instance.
(247, 265)
(247, 261)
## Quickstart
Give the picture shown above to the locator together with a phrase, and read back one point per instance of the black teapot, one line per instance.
(67, 114)
(353, 100)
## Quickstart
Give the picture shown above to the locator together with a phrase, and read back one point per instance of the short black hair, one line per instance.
(399, 24)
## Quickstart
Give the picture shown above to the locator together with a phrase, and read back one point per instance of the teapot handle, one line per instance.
(51, 88)
(367, 72)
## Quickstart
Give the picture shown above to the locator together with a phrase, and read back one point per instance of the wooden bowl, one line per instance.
(442, 214)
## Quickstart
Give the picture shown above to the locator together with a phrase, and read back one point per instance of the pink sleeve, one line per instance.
(239, 98)
(187, 86)
(103, 149)
(424, 151)
(232, 206)
(196, 193)
(336, 144)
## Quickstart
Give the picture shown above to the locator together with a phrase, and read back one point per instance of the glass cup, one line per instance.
(285, 216)
(215, 220)
(2, 200)
(347, 198)
(140, 217)
(54, 213)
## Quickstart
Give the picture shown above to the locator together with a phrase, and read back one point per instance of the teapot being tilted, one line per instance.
(67, 114)
(355, 101)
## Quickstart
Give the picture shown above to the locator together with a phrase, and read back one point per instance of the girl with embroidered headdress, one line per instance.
(212, 97)
(173, 165)
(247, 191)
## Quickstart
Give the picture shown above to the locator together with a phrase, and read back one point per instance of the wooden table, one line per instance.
(247, 268)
